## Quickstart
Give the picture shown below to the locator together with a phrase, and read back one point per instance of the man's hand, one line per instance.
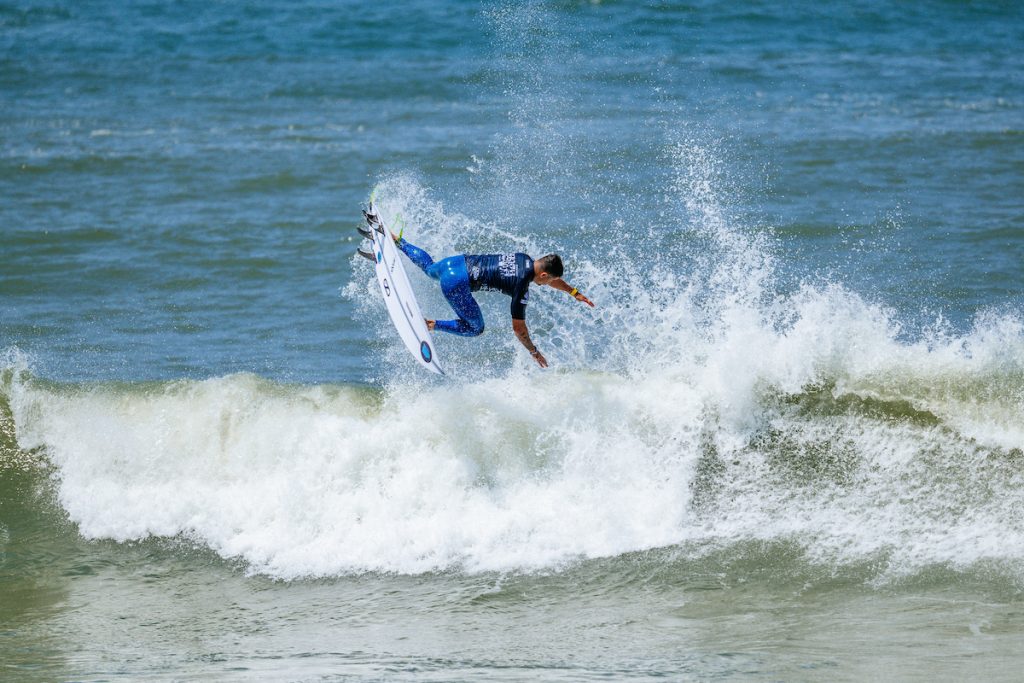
(579, 297)
(563, 286)
(519, 327)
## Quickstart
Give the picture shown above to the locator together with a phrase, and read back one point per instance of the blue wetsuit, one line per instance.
(464, 274)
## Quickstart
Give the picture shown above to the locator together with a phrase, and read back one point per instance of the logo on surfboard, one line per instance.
(425, 351)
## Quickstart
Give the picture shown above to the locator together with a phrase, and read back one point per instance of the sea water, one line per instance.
(786, 444)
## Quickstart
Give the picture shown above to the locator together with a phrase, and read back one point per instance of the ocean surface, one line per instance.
(786, 445)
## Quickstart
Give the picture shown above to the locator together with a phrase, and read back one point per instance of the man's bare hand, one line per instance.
(579, 297)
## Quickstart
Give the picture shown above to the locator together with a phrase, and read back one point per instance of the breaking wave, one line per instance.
(696, 408)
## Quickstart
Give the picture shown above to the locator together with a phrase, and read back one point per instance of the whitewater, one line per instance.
(696, 410)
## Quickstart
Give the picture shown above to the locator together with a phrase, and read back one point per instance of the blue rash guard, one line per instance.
(461, 275)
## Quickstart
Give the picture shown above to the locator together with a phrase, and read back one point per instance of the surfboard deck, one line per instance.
(397, 290)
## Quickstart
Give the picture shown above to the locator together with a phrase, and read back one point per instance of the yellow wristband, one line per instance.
(574, 292)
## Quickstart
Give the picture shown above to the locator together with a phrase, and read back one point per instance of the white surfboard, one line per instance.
(397, 291)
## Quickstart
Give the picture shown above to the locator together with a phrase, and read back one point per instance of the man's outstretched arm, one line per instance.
(563, 286)
(519, 327)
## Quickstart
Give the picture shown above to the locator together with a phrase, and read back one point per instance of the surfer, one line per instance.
(463, 274)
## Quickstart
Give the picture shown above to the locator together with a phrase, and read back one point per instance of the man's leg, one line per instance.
(455, 287)
(416, 255)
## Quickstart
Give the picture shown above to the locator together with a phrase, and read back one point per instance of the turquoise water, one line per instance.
(786, 445)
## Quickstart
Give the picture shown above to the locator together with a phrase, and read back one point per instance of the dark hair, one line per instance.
(550, 264)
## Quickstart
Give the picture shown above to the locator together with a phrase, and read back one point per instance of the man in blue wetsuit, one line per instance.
(512, 274)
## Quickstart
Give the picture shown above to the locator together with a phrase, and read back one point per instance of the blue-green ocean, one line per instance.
(786, 445)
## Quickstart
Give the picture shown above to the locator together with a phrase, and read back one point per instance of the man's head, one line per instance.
(547, 268)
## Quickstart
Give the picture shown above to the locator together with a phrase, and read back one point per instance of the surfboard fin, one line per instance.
(374, 220)
(364, 232)
(368, 255)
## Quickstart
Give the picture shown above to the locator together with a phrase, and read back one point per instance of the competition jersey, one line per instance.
(509, 273)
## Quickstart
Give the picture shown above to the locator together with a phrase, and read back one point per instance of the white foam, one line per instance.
(312, 482)
(692, 407)
(531, 470)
